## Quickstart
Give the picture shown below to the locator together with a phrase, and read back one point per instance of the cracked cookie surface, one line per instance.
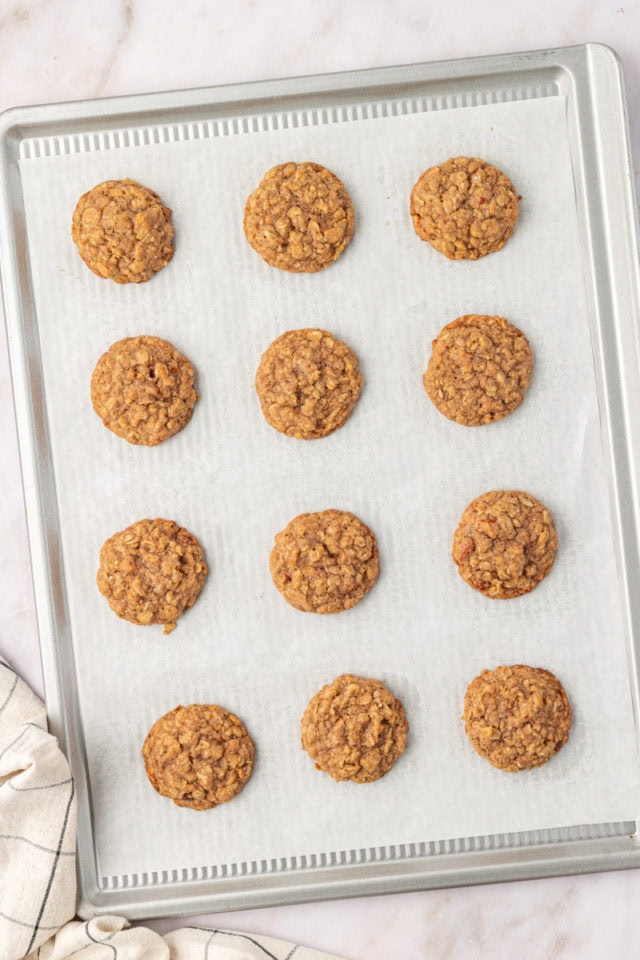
(465, 208)
(479, 369)
(324, 562)
(123, 231)
(308, 383)
(505, 543)
(199, 756)
(517, 717)
(151, 572)
(300, 217)
(354, 729)
(143, 390)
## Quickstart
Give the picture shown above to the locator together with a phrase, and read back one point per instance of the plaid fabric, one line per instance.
(37, 862)
(110, 937)
(37, 823)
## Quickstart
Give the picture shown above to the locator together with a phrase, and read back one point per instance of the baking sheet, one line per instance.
(398, 464)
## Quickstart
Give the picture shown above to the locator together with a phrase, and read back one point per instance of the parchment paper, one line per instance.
(398, 464)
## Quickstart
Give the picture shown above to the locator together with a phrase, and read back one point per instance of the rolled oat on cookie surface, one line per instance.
(465, 208)
(151, 572)
(479, 369)
(324, 562)
(123, 231)
(308, 383)
(198, 756)
(517, 717)
(354, 729)
(299, 218)
(143, 390)
(505, 543)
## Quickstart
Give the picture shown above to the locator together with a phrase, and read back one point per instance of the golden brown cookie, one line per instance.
(465, 208)
(517, 717)
(151, 572)
(123, 231)
(505, 544)
(198, 756)
(308, 383)
(354, 729)
(300, 217)
(324, 562)
(143, 389)
(479, 369)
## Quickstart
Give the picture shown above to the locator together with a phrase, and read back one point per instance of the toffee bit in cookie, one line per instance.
(465, 208)
(151, 572)
(143, 390)
(123, 231)
(308, 383)
(479, 369)
(505, 543)
(324, 562)
(354, 729)
(199, 756)
(300, 217)
(517, 717)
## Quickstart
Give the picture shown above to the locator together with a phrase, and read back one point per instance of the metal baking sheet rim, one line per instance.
(591, 78)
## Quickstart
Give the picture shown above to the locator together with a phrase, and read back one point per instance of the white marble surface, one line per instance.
(53, 50)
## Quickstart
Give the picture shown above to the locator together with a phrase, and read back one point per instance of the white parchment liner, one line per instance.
(398, 464)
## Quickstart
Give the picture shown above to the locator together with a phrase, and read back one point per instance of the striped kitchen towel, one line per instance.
(37, 862)
(37, 823)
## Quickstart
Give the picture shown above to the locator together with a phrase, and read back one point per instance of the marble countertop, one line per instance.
(56, 50)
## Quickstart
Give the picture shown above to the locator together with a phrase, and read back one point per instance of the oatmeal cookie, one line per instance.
(308, 383)
(143, 390)
(123, 231)
(300, 218)
(479, 369)
(465, 208)
(324, 562)
(505, 543)
(151, 572)
(354, 729)
(198, 756)
(517, 717)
